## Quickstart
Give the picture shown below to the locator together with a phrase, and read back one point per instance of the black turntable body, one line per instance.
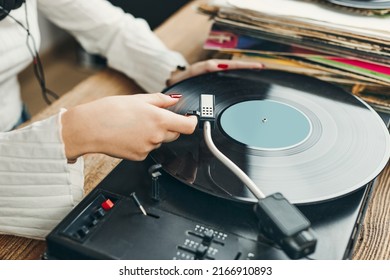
(182, 214)
(196, 209)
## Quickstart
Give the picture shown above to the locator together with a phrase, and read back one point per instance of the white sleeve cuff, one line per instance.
(37, 185)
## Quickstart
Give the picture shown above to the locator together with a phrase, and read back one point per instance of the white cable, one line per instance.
(229, 164)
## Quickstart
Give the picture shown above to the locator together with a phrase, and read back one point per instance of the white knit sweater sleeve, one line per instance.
(128, 43)
(37, 185)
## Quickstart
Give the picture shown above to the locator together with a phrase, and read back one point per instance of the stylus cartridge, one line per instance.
(283, 223)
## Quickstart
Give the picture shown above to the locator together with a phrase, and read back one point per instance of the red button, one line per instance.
(107, 205)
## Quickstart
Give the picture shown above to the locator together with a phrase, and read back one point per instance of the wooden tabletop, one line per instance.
(185, 32)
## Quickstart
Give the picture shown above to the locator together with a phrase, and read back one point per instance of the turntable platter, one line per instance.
(289, 133)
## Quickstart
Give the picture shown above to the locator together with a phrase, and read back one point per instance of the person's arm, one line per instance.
(127, 127)
(37, 185)
(128, 43)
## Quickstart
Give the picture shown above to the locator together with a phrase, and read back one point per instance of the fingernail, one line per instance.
(223, 66)
(175, 95)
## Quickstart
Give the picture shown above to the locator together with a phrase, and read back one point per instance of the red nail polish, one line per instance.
(175, 95)
(223, 66)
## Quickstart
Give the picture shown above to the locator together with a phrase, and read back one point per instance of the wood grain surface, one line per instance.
(374, 238)
(185, 32)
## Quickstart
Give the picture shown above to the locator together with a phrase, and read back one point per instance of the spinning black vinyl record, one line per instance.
(289, 133)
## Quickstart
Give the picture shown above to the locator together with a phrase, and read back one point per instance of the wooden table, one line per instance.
(185, 32)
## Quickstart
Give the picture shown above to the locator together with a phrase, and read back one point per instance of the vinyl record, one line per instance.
(363, 4)
(289, 133)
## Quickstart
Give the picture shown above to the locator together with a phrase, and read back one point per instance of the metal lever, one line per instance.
(137, 203)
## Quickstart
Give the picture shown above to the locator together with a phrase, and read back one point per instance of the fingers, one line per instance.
(169, 120)
(181, 124)
(159, 99)
(171, 136)
(236, 64)
(172, 122)
(213, 65)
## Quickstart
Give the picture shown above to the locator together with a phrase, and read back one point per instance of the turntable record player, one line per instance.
(309, 140)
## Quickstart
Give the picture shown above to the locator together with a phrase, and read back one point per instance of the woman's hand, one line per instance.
(211, 65)
(126, 127)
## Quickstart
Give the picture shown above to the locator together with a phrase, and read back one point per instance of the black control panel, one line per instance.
(89, 219)
(111, 226)
(184, 223)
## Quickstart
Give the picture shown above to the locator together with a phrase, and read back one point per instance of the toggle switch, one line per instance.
(83, 231)
(100, 213)
(94, 221)
(107, 205)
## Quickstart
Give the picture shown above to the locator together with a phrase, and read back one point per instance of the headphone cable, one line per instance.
(37, 63)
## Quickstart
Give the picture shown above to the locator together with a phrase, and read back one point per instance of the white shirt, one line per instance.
(37, 186)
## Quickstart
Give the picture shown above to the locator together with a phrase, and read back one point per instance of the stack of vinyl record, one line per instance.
(346, 42)
(368, 7)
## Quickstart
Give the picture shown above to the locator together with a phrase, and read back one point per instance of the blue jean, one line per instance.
(24, 116)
